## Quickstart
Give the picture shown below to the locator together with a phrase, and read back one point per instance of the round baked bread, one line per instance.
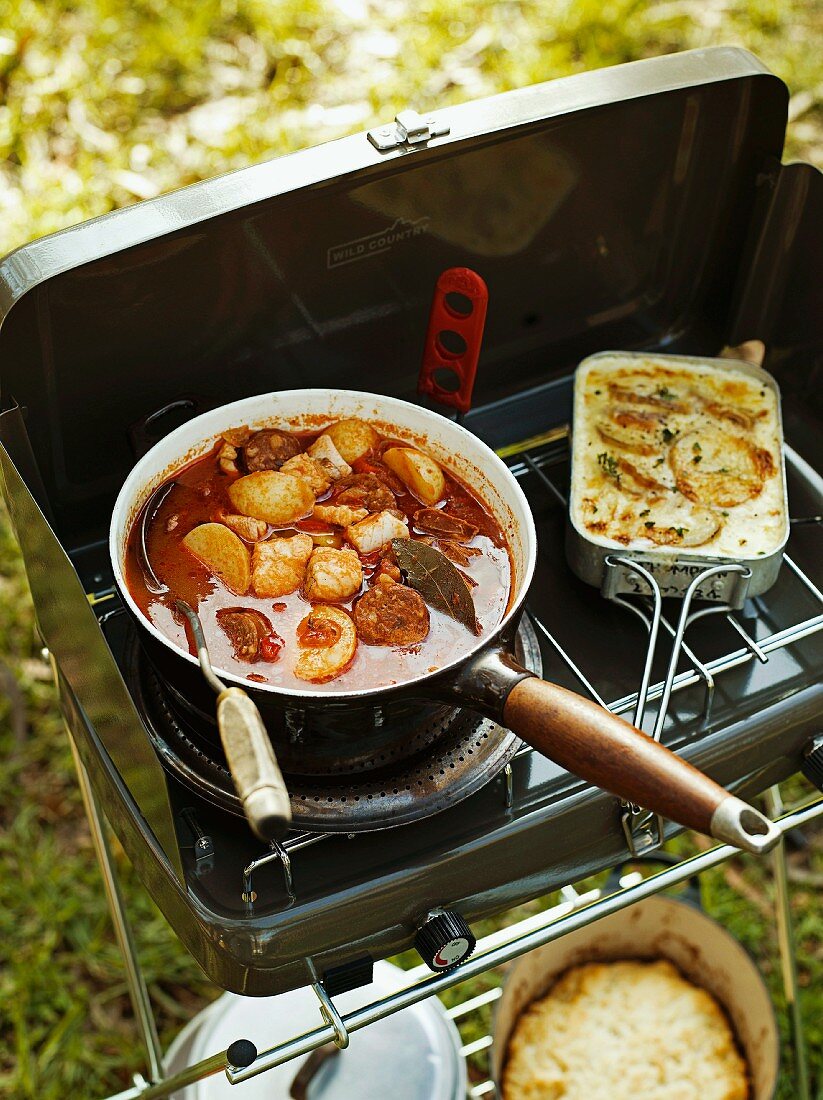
(633, 1030)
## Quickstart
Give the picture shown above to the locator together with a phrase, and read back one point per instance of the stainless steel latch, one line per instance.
(409, 128)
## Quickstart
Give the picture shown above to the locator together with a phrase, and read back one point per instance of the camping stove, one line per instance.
(641, 207)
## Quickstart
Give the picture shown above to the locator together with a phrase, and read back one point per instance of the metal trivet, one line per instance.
(469, 751)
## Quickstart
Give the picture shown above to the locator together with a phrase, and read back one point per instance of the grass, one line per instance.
(103, 103)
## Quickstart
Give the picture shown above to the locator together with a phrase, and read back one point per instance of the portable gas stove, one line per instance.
(640, 207)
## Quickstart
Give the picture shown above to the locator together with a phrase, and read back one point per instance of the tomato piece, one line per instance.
(363, 466)
(271, 647)
(316, 632)
(316, 525)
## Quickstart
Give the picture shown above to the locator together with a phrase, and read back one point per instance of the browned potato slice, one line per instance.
(652, 392)
(715, 467)
(673, 526)
(222, 553)
(418, 472)
(635, 430)
(319, 663)
(352, 438)
(638, 478)
(277, 498)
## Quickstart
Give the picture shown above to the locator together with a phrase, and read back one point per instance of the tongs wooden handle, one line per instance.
(248, 748)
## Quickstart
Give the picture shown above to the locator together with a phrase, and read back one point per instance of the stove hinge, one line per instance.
(409, 129)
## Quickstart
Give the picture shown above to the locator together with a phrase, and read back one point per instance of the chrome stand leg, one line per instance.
(785, 939)
(134, 975)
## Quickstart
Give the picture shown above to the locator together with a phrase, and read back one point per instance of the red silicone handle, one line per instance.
(454, 336)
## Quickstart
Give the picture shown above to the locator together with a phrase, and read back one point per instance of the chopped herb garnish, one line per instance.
(594, 507)
(679, 531)
(660, 462)
(645, 512)
(668, 435)
(723, 470)
(697, 458)
(667, 395)
(597, 393)
(696, 447)
(608, 464)
(724, 513)
(649, 523)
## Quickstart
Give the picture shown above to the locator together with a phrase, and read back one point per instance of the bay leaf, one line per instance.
(440, 584)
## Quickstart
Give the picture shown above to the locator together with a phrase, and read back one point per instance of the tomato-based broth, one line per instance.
(282, 542)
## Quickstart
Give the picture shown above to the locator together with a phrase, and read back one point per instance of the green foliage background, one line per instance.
(103, 103)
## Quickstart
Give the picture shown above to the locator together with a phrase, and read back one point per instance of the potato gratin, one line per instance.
(668, 456)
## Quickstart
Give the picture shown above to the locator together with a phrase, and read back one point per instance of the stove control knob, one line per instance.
(812, 766)
(444, 940)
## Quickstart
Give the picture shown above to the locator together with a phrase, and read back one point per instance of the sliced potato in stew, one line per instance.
(418, 472)
(222, 553)
(277, 498)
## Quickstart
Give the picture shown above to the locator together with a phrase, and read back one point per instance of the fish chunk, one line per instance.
(227, 459)
(310, 470)
(279, 565)
(332, 574)
(324, 450)
(327, 644)
(252, 530)
(375, 532)
(341, 515)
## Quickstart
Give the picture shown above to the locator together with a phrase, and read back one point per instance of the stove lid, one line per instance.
(607, 209)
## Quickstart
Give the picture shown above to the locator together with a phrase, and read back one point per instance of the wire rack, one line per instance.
(544, 460)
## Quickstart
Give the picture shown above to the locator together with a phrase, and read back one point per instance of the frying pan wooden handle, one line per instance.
(253, 765)
(603, 749)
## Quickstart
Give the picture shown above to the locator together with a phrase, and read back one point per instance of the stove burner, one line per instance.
(453, 763)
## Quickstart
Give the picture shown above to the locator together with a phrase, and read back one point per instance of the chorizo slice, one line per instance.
(364, 491)
(245, 628)
(391, 614)
(433, 521)
(269, 449)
